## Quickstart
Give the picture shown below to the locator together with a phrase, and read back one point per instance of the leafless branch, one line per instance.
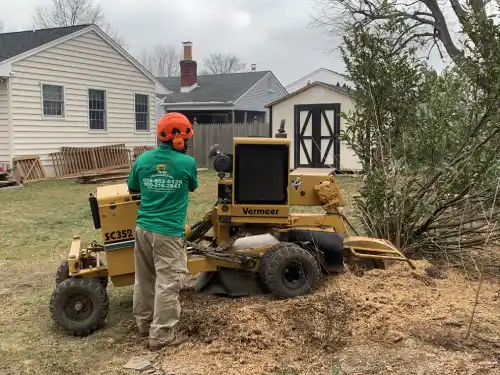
(424, 17)
(162, 61)
(64, 13)
(219, 63)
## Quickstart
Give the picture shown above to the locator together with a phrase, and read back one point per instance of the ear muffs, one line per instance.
(178, 144)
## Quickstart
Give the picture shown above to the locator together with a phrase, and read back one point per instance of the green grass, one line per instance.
(37, 224)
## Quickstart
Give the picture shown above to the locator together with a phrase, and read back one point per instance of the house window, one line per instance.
(97, 110)
(53, 101)
(141, 112)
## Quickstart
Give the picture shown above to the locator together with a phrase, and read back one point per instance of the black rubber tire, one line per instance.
(63, 271)
(88, 291)
(281, 256)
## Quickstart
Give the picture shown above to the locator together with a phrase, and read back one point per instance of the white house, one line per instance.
(320, 75)
(215, 98)
(72, 86)
(314, 127)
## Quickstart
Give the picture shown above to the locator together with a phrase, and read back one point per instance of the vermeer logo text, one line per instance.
(250, 211)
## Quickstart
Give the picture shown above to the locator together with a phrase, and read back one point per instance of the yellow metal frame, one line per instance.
(118, 210)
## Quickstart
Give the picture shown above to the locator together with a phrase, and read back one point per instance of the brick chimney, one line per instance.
(189, 79)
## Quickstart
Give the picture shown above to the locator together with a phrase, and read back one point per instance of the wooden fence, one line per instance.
(206, 135)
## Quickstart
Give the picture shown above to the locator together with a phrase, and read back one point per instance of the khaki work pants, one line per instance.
(160, 274)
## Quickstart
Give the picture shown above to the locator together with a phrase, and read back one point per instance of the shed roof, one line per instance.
(213, 87)
(16, 43)
(341, 89)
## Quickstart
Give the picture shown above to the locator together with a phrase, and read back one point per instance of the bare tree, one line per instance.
(147, 61)
(167, 60)
(219, 63)
(1, 26)
(162, 61)
(63, 13)
(68, 13)
(427, 22)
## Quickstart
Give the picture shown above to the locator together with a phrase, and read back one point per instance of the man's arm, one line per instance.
(193, 181)
(133, 180)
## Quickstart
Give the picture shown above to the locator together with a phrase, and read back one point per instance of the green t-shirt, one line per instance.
(164, 178)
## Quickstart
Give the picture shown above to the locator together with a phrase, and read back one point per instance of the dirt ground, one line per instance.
(393, 321)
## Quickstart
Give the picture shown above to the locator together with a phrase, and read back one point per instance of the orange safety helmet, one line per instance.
(175, 127)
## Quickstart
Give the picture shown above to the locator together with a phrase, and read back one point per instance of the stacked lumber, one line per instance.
(111, 176)
(78, 161)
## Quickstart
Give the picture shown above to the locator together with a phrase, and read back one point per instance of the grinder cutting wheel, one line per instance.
(163, 177)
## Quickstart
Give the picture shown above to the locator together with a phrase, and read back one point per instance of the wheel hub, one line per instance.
(78, 307)
(293, 275)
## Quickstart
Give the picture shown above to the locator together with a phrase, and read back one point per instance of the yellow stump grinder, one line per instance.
(251, 241)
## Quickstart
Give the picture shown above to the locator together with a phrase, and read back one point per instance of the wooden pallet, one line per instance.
(138, 150)
(29, 168)
(72, 161)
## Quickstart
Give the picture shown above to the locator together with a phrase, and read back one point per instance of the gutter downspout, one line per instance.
(10, 122)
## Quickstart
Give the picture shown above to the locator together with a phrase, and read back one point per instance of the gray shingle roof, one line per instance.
(13, 44)
(213, 87)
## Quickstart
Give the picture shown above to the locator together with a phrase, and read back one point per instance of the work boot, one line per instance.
(138, 334)
(179, 340)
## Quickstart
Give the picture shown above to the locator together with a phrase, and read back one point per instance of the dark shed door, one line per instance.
(317, 135)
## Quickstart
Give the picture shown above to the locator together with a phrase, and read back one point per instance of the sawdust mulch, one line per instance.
(394, 321)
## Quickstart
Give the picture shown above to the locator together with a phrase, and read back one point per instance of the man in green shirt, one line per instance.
(163, 177)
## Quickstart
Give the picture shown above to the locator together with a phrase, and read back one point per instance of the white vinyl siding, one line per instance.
(80, 65)
(4, 124)
(265, 91)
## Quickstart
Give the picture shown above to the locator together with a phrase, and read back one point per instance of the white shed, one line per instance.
(72, 86)
(314, 127)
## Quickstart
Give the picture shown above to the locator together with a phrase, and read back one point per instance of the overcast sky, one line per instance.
(274, 34)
